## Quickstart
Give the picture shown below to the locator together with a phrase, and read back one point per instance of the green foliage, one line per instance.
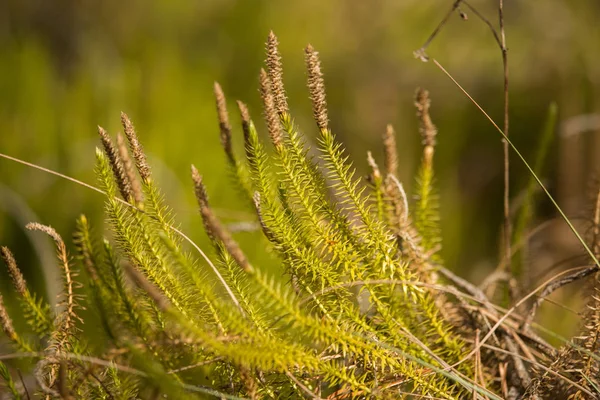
(356, 308)
(8, 382)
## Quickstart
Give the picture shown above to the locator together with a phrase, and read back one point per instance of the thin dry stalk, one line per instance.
(477, 364)
(596, 227)
(14, 271)
(213, 226)
(501, 40)
(302, 386)
(529, 168)
(224, 125)
(69, 315)
(390, 151)
(148, 287)
(316, 88)
(114, 158)
(136, 148)
(136, 188)
(275, 70)
(249, 383)
(23, 385)
(591, 367)
(555, 285)
(505, 146)
(421, 52)
(270, 111)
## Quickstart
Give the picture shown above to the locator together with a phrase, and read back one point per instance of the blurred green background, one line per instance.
(67, 66)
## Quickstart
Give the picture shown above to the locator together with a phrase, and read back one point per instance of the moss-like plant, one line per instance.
(361, 305)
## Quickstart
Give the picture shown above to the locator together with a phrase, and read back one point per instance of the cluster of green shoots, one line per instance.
(360, 305)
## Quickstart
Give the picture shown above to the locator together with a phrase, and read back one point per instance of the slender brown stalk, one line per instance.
(144, 283)
(554, 286)
(213, 226)
(596, 226)
(421, 52)
(69, 315)
(501, 40)
(505, 146)
(529, 168)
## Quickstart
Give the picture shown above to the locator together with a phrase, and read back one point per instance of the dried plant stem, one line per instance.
(555, 285)
(151, 290)
(505, 146)
(596, 227)
(421, 52)
(500, 39)
(68, 323)
(527, 165)
(213, 225)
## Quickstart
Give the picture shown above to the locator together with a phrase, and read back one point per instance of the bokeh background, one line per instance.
(67, 66)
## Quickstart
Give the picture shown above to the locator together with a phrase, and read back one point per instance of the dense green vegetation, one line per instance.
(365, 308)
(321, 281)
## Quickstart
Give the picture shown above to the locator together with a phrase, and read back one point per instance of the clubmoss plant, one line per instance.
(361, 306)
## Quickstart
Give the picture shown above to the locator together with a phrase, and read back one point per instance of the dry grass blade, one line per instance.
(527, 165)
